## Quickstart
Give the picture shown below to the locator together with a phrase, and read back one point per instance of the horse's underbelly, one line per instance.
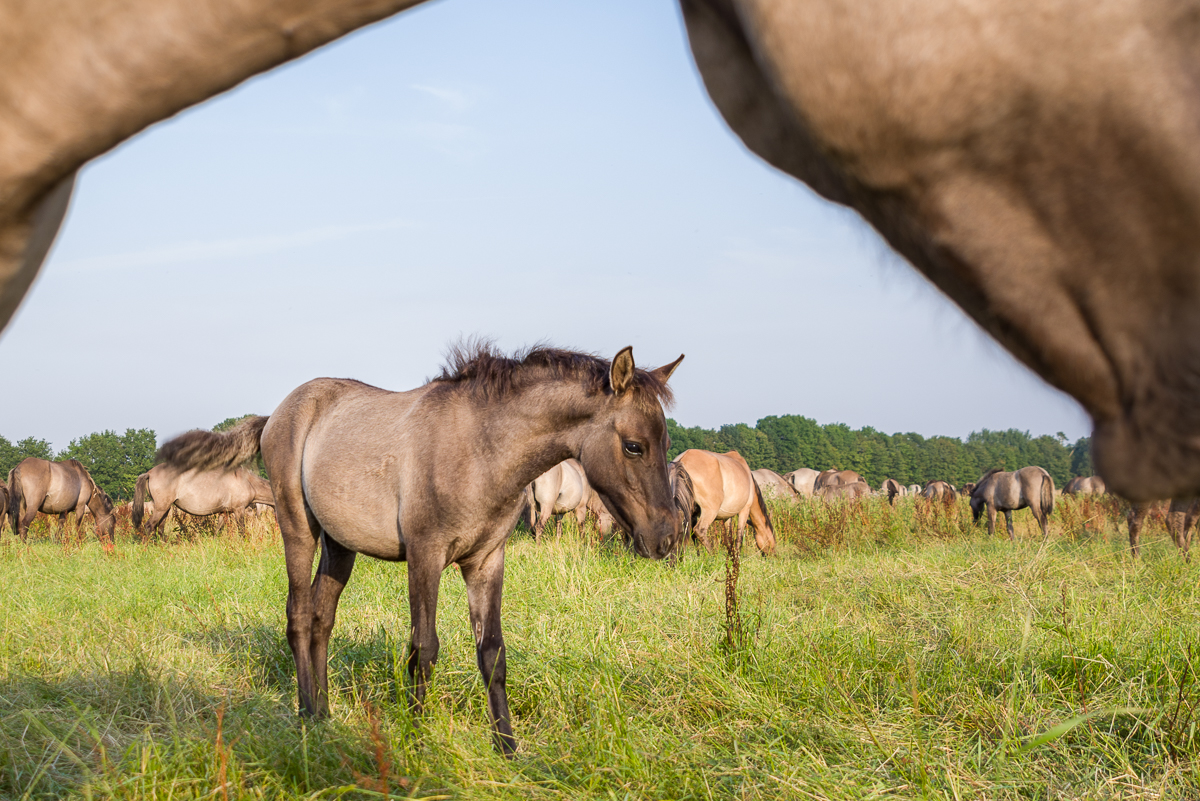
(62, 497)
(367, 536)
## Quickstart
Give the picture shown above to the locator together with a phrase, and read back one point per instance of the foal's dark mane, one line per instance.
(991, 472)
(486, 373)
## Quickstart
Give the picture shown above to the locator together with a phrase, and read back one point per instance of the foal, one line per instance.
(435, 476)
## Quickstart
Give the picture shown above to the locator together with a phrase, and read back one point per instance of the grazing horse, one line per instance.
(834, 477)
(37, 485)
(561, 489)
(893, 488)
(198, 493)
(1181, 516)
(724, 489)
(939, 491)
(850, 491)
(363, 470)
(803, 479)
(997, 490)
(967, 490)
(774, 485)
(1079, 485)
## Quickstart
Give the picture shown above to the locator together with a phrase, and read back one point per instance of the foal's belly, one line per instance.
(364, 525)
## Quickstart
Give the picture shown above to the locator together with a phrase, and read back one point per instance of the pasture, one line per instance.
(883, 653)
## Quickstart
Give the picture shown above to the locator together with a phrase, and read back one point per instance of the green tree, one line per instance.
(115, 461)
(11, 455)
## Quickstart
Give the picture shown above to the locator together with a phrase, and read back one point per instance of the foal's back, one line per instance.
(361, 456)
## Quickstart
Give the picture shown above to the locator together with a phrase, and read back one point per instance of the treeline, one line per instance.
(790, 442)
(779, 443)
(114, 460)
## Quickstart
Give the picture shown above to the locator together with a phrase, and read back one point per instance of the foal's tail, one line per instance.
(207, 450)
(139, 500)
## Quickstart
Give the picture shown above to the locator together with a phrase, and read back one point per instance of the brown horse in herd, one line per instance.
(199, 493)
(850, 490)
(1181, 516)
(725, 489)
(357, 469)
(57, 488)
(1089, 485)
(1006, 492)
(834, 477)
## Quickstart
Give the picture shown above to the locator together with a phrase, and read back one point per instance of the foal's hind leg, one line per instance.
(484, 579)
(300, 531)
(332, 574)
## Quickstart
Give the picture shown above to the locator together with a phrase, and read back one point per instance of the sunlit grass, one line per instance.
(894, 652)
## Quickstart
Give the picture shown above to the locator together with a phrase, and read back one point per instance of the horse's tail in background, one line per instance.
(207, 450)
(1047, 494)
(139, 500)
(14, 498)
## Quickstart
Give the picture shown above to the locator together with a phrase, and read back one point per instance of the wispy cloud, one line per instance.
(218, 249)
(455, 99)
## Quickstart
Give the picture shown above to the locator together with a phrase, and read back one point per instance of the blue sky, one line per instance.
(529, 171)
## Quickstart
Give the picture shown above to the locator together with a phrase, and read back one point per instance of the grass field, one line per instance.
(885, 654)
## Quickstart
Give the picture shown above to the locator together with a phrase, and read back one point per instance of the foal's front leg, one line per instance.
(424, 578)
(484, 580)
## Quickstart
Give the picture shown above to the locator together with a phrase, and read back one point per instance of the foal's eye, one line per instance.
(632, 449)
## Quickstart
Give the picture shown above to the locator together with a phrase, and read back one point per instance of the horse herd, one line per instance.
(441, 474)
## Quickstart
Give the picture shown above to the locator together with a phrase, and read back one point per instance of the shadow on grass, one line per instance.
(137, 733)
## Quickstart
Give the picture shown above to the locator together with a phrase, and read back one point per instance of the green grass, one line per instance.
(893, 654)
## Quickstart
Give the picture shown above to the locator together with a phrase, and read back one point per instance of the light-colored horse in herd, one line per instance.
(198, 492)
(1080, 485)
(358, 469)
(1029, 487)
(57, 488)
(725, 489)
(563, 489)
(939, 491)
(774, 485)
(803, 479)
(1181, 516)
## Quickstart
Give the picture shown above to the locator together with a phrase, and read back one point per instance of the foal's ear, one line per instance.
(663, 373)
(620, 374)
